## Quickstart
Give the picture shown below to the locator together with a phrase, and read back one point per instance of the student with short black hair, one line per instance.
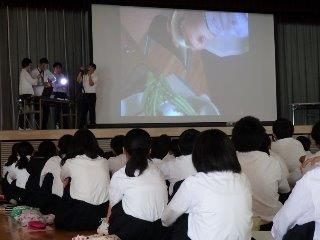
(262, 170)
(160, 148)
(46, 150)
(181, 167)
(288, 148)
(138, 193)
(89, 185)
(306, 143)
(18, 175)
(174, 148)
(50, 182)
(120, 160)
(217, 198)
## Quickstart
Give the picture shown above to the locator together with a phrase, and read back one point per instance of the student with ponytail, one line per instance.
(137, 193)
(18, 175)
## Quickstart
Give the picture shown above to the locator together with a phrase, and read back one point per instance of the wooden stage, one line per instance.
(10, 230)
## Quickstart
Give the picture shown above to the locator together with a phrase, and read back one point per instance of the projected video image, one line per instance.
(163, 58)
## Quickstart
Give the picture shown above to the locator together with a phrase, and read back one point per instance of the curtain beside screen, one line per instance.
(59, 34)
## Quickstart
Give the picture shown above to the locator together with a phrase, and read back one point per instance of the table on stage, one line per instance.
(299, 106)
(62, 102)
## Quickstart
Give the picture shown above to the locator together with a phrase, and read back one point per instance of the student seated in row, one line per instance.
(298, 219)
(217, 199)
(288, 148)
(46, 150)
(13, 158)
(263, 171)
(138, 193)
(181, 167)
(160, 149)
(306, 143)
(18, 174)
(120, 159)
(50, 182)
(89, 186)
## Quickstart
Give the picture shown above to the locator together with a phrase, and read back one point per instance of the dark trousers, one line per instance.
(25, 101)
(61, 109)
(88, 105)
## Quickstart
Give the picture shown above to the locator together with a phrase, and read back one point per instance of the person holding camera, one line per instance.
(88, 79)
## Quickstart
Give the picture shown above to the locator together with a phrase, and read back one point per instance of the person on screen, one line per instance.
(26, 83)
(89, 82)
(120, 160)
(216, 202)
(264, 172)
(181, 167)
(288, 148)
(138, 193)
(60, 91)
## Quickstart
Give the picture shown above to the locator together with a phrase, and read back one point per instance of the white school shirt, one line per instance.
(302, 206)
(265, 176)
(21, 175)
(86, 86)
(143, 197)
(283, 165)
(290, 150)
(53, 166)
(26, 82)
(89, 179)
(46, 74)
(219, 205)
(117, 162)
(177, 169)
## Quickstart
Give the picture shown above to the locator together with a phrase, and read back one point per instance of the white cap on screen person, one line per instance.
(221, 33)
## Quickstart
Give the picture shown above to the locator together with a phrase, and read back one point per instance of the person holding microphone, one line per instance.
(89, 82)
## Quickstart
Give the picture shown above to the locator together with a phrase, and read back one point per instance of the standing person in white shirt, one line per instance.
(89, 186)
(181, 167)
(19, 173)
(45, 79)
(89, 83)
(51, 172)
(262, 170)
(26, 83)
(288, 148)
(299, 217)
(217, 199)
(120, 160)
(60, 91)
(138, 194)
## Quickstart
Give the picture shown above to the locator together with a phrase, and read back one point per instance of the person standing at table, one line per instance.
(89, 82)
(45, 79)
(26, 82)
(60, 91)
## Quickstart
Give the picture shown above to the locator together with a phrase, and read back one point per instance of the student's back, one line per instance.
(302, 207)
(288, 148)
(143, 196)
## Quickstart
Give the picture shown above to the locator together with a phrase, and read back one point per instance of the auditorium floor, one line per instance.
(9, 230)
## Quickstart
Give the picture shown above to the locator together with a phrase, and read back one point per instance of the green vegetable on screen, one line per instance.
(158, 91)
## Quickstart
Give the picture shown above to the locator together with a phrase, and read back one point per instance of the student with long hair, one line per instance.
(138, 193)
(89, 186)
(13, 158)
(215, 203)
(18, 175)
(50, 182)
(46, 150)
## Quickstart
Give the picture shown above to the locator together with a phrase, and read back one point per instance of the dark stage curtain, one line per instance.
(59, 34)
(298, 64)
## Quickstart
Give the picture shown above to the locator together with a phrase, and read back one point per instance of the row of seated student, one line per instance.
(217, 186)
